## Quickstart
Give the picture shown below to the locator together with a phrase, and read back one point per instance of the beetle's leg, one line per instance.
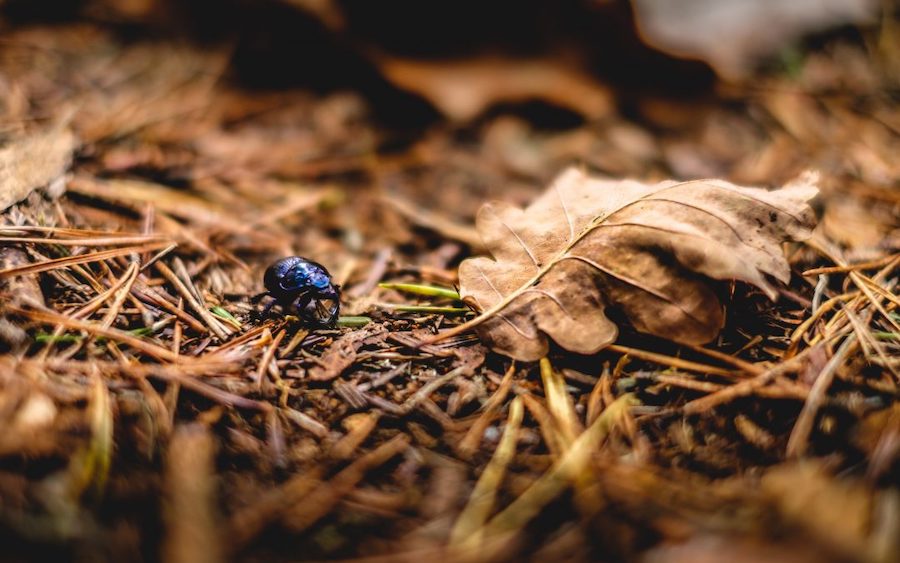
(260, 296)
(262, 314)
(321, 316)
(301, 303)
(334, 295)
(334, 314)
(268, 307)
(330, 314)
(313, 315)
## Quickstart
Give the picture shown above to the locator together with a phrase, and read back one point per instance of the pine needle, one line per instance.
(469, 525)
(561, 475)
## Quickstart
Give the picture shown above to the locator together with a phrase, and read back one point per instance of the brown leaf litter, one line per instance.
(151, 413)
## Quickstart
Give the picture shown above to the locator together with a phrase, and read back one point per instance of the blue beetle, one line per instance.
(302, 284)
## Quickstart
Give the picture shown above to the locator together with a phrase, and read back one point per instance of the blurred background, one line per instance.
(365, 135)
(493, 98)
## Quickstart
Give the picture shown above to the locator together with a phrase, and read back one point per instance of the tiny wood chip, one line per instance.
(343, 352)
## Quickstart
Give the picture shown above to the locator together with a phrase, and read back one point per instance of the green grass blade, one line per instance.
(353, 322)
(419, 289)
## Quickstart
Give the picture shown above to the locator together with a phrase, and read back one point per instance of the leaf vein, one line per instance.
(634, 283)
(523, 245)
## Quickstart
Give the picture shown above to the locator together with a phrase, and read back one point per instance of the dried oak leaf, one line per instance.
(648, 250)
(35, 161)
(462, 89)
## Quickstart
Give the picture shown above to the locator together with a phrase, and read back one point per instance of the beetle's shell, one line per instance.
(295, 274)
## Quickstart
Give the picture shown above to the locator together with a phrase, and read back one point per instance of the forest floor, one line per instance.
(149, 412)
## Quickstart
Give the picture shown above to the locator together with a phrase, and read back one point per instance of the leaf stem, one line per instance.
(425, 309)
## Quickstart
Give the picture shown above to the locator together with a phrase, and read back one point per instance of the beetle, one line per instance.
(302, 285)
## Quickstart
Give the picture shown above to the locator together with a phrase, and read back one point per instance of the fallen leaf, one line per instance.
(33, 162)
(463, 89)
(647, 249)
